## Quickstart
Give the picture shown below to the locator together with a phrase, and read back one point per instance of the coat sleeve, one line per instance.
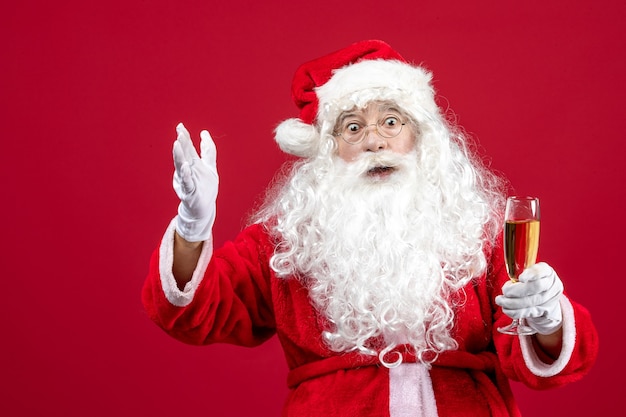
(522, 360)
(229, 299)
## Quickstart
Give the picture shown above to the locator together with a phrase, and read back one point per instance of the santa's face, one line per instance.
(375, 128)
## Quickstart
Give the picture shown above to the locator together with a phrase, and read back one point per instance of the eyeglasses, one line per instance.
(387, 127)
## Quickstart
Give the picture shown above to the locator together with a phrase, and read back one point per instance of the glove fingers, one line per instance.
(186, 178)
(546, 288)
(547, 310)
(536, 272)
(523, 313)
(179, 156)
(550, 312)
(208, 151)
(186, 143)
(184, 184)
(531, 301)
(183, 176)
(209, 159)
(524, 289)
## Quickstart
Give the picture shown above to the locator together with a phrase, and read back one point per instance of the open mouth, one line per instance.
(380, 171)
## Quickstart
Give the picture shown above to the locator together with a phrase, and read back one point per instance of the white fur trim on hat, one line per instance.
(358, 84)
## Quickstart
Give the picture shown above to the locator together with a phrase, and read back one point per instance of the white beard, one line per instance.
(382, 258)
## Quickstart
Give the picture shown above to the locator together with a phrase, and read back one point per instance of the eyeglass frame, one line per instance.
(365, 129)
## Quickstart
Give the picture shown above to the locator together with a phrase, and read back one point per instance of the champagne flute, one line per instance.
(521, 243)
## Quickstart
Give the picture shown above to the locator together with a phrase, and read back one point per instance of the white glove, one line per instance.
(196, 184)
(535, 298)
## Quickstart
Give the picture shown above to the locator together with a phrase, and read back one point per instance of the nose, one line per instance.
(373, 141)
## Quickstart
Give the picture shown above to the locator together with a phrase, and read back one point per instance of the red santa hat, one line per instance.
(353, 76)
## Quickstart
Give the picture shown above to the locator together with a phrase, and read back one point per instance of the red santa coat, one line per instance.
(234, 297)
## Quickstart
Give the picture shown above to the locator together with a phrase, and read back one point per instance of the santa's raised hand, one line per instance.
(196, 184)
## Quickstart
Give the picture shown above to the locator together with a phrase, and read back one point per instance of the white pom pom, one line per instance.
(297, 138)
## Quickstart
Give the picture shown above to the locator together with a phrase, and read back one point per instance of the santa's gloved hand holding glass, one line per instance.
(535, 298)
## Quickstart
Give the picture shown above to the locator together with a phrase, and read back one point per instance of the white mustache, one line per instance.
(386, 159)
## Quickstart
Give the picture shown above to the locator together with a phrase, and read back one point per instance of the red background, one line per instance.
(90, 95)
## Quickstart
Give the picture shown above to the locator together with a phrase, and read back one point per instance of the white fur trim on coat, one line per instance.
(411, 391)
(533, 362)
(166, 260)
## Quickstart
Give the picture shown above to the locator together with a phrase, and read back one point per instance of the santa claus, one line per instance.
(376, 259)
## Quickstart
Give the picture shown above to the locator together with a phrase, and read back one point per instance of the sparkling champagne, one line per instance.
(521, 243)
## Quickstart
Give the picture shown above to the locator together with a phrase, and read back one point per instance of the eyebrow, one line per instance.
(382, 108)
(345, 116)
(391, 108)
